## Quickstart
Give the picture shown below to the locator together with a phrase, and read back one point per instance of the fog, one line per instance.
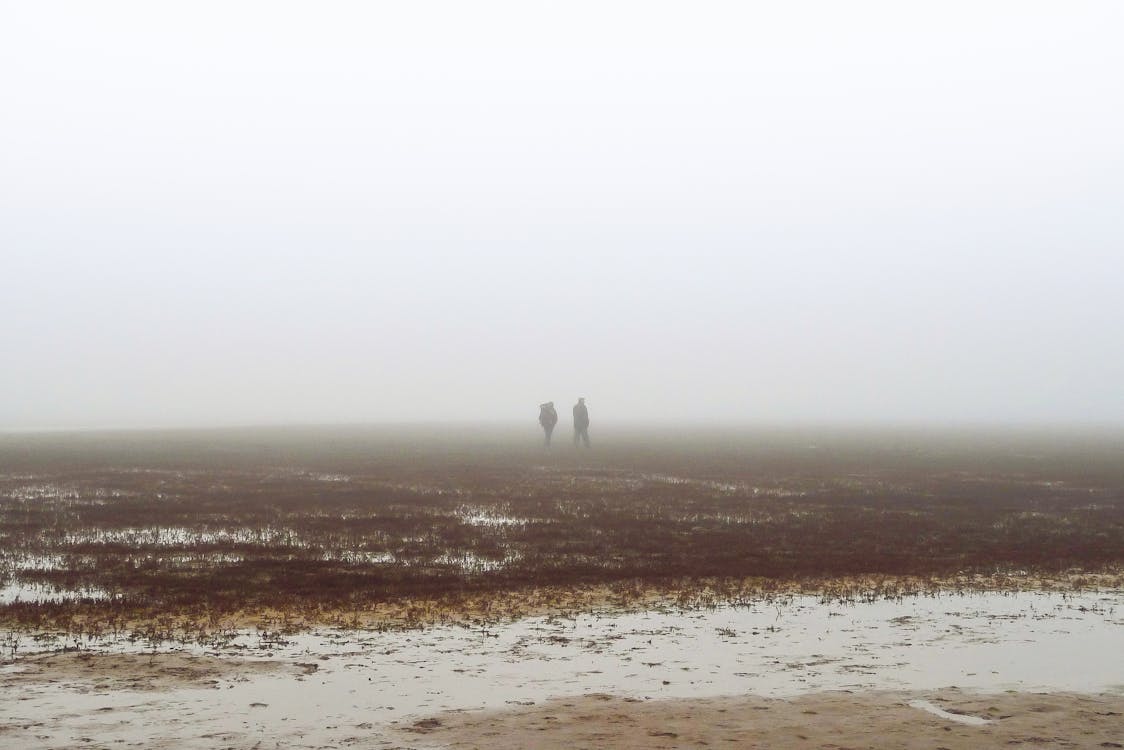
(267, 213)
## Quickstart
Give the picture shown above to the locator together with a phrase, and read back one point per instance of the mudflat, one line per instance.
(970, 669)
(180, 534)
(168, 701)
(450, 588)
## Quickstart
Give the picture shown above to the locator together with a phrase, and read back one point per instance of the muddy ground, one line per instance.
(956, 670)
(201, 531)
(668, 588)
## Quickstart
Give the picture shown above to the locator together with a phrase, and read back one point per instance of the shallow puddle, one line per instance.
(1026, 641)
(20, 591)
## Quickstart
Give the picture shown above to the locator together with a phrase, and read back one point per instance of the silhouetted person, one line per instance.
(548, 417)
(581, 423)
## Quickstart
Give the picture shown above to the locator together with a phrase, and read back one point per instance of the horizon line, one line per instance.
(611, 426)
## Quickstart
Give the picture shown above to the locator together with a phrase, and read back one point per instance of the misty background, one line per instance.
(264, 212)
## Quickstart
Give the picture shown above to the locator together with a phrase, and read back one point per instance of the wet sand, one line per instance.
(118, 701)
(821, 720)
(89, 672)
(981, 670)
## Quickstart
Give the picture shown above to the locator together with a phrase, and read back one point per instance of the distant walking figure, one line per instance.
(581, 423)
(548, 417)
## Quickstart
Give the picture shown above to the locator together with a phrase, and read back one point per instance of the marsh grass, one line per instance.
(192, 535)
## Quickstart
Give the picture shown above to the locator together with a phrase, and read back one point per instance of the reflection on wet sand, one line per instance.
(328, 682)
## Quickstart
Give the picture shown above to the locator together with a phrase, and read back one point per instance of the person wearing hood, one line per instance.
(548, 417)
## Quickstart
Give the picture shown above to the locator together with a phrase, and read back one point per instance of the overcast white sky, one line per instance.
(266, 212)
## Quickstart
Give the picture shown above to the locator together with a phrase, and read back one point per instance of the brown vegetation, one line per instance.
(327, 525)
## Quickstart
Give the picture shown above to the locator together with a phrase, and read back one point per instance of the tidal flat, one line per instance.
(422, 587)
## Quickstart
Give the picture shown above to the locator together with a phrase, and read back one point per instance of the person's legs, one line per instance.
(548, 430)
(585, 436)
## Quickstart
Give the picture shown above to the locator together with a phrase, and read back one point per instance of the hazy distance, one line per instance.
(260, 213)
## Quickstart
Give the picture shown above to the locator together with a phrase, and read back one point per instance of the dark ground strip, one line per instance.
(345, 518)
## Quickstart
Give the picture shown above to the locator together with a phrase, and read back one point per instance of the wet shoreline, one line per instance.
(324, 683)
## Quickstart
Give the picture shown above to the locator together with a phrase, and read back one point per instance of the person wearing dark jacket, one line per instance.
(581, 423)
(548, 417)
